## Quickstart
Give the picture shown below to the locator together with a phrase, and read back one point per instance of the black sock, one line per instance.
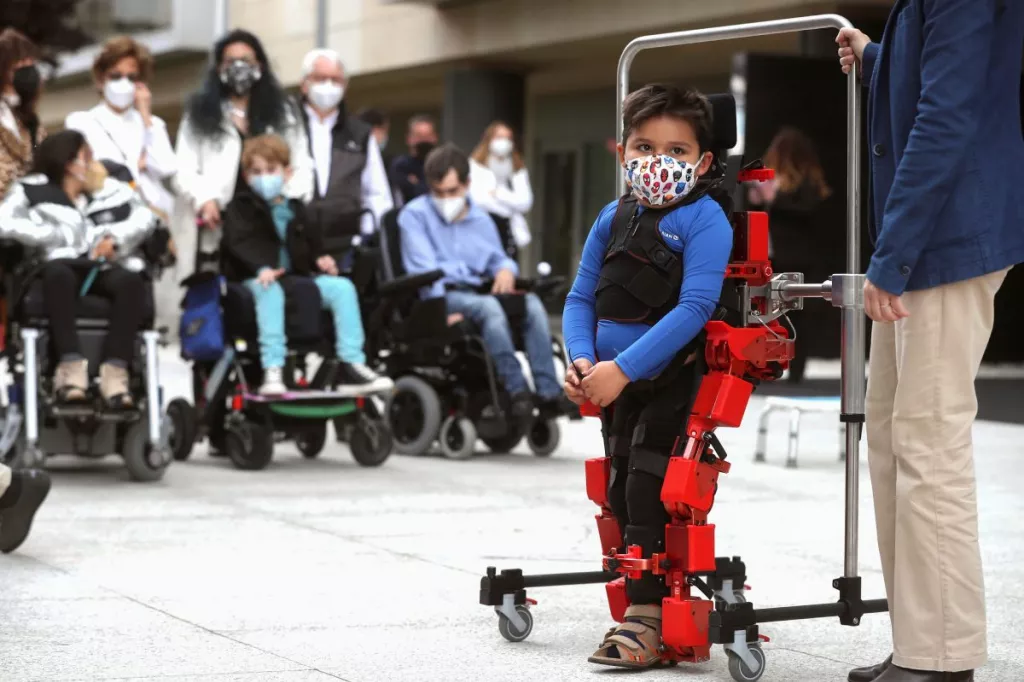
(13, 492)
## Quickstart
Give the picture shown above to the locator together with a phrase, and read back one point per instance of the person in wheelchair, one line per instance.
(267, 237)
(444, 230)
(650, 278)
(80, 224)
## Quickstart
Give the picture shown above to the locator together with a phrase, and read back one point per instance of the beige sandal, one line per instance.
(635, 643)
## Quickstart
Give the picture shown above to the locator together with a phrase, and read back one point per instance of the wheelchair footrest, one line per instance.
(94, 412)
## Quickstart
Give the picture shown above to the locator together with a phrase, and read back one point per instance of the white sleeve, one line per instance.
(375, 187)
(189, 180)
(160, 161)
(481, 184)
(519, 199)
(300, 186)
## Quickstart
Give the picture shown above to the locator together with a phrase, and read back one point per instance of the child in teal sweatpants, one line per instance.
(267, 236)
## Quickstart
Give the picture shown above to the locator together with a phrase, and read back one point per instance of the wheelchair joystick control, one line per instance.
(544, 269)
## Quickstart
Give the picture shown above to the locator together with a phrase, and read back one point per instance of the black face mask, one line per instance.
(422, 149)
(26, 83)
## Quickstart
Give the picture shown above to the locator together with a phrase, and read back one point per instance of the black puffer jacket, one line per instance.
(250, 242)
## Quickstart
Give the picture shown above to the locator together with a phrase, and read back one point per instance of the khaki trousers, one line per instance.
(920, 408)
(5, 479)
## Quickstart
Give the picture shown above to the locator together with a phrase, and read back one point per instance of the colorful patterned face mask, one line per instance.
(660, 179)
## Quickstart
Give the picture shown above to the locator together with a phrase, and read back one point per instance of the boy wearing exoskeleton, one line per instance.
(649, 280)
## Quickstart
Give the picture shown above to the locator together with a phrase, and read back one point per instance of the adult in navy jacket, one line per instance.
(946, 161)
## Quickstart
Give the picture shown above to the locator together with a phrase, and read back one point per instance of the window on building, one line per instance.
(103, 19)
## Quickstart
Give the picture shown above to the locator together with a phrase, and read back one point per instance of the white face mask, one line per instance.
(326, 95)
(119, 93)
(501, 146)
(450, 207)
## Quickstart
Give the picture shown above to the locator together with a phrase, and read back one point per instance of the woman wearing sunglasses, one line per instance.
(122, 127)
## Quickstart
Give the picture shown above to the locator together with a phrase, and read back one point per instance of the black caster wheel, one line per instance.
(184, 428)
(544, 436)
(310, 439)
(371, 442)
(144, 462)
(741, 672)
(510, 632)
(457, 438)
(249, 445)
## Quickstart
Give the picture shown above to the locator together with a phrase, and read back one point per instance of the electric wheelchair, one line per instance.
(35, 425)
(227, 410)
(446, 388)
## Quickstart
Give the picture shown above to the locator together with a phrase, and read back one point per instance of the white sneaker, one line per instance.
(358, 377)
(273, 382)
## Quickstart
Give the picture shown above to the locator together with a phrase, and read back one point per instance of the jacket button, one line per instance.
(879, 150)
(905, 270)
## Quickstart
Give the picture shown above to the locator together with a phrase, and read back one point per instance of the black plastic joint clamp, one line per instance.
(728, 619)
(494, 587)
(850, 595)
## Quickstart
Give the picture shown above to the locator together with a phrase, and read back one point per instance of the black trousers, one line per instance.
(62, 281)
(644, 424)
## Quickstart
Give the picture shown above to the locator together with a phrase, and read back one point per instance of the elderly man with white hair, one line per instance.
(352, 191)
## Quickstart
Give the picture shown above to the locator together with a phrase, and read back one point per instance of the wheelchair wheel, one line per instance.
(544, 436)
(371, 442)
(505, 444)
(184, 428)
(458, 438)
(414, 415)
(144, 463)
(249, 445)
(310, 439)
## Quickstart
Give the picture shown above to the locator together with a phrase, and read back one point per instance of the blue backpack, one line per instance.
(202, 321)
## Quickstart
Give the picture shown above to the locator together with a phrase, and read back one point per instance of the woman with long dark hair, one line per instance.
(81, 223)
(240, 98)
(20, 84)
(794, 202)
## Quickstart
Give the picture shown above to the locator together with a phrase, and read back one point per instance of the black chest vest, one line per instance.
(641, 277)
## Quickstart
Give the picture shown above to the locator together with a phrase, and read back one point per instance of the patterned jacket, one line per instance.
(15, 155)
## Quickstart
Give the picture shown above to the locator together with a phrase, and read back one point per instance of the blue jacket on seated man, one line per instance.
(947, 156)
(443, 230)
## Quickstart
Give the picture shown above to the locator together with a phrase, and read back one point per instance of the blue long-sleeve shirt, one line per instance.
(468, 250)
(702, 233)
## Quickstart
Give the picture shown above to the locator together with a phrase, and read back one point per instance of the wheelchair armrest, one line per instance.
(544, 287)
(409, 284)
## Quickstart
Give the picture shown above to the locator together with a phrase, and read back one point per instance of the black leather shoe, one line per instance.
(869, 674)
(897, 674)
(16, 520)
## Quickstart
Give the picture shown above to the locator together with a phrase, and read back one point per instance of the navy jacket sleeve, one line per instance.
(958, 37)
(867, 63)
(579, 319)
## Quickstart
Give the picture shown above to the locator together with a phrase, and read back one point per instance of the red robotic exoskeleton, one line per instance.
(735, 356)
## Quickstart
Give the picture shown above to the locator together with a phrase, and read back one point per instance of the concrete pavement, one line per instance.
(322, 570)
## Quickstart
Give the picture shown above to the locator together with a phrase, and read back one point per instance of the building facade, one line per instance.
(546, 66)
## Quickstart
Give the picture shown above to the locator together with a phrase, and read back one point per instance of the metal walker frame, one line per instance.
(733, 623)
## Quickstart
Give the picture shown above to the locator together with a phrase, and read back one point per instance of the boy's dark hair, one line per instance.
(375, 118)
(52, 156)
(443, 159)
(653, 101)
